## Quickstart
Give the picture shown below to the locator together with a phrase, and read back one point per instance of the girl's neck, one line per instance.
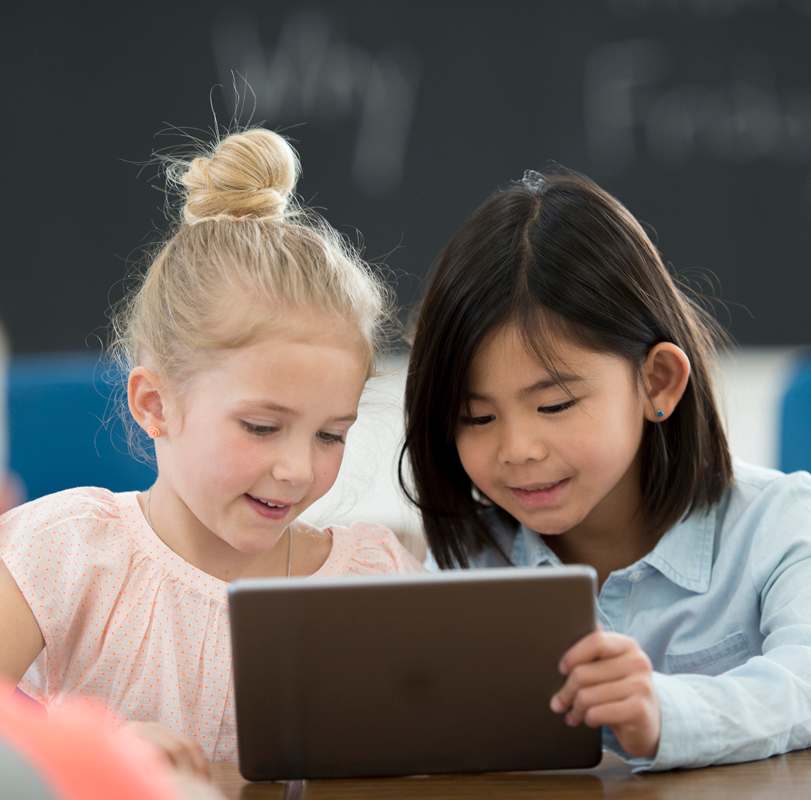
(601, 549)
(612, 537)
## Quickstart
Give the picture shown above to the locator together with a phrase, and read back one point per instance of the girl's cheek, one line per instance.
(332, 465)
(240, 456)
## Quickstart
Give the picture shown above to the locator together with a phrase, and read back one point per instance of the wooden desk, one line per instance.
(785, 777)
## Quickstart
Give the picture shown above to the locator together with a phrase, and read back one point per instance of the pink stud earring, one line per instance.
(153, 432)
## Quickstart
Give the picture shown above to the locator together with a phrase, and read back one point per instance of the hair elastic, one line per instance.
(153, 432)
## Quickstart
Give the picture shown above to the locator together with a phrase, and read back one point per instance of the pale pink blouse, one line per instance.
(129, 625)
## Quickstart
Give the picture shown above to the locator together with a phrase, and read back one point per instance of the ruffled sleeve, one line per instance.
(130, 628)
(69, 558)
(366, 548)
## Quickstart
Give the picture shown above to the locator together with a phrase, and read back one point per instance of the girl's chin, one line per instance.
(257, 544)
(545, 524)
(552, 532)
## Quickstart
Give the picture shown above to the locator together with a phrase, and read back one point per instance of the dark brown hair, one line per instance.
(556, 255)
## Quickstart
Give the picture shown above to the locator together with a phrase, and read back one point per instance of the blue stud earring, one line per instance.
(660, 413)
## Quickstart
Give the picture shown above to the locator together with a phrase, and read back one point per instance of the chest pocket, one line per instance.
(729, 653)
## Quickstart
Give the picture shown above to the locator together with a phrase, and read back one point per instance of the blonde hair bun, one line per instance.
(248, 174)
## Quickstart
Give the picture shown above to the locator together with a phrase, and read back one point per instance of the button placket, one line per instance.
(612, 601)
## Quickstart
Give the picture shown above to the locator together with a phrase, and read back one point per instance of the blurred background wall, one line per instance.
(408, 114)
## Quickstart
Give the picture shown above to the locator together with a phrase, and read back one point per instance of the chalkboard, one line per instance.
(407, 114)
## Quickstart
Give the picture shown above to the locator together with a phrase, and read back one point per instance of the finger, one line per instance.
(599, 672)
(635, 722)
(186, 756)
(171, 748)
(600, 644)
(198, 761)
(181, 752)
(602, 694)
(191, 788)
(632, 661)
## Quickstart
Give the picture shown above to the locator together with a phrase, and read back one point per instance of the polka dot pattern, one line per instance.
(131, 627)
(366, 548)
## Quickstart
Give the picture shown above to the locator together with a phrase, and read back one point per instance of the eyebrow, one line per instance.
(539, 386)
(290, 412)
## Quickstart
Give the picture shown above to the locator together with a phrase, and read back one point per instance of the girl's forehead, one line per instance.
(505, 356)
(304, 374)
(257, 326)
(289, 341)
(260, 319)
(296, 347)
(555, 353)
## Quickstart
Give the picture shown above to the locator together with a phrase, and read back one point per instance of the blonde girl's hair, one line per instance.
(242, 255)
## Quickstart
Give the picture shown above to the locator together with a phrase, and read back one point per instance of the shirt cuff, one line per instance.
(610, 743)
(690, 733)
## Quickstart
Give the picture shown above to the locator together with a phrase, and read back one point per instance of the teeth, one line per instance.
(542, 487)
(270, 505)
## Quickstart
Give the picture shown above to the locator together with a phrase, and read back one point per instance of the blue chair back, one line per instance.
(64, 431)
(795, 434)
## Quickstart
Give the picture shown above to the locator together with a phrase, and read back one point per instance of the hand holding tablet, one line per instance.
(610, 682)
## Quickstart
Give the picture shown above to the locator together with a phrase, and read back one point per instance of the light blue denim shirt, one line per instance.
(722, 606)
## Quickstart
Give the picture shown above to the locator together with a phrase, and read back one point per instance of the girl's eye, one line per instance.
(477, 420)
(557, 408)
(258, 430)
(331, 438)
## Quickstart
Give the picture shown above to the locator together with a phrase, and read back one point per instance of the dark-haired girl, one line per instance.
(560, 410)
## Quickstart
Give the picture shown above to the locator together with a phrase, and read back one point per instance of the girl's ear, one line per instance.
(666, 371)
(145, 402)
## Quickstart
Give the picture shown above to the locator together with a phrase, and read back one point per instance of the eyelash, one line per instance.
(266, 430)
(331, 438)
(258, 430)
(556, 409)
(477, 420)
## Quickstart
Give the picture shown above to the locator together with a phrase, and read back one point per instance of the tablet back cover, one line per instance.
(450, 672)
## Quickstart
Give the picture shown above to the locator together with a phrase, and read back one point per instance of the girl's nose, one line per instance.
(293, 464)
(520, 443)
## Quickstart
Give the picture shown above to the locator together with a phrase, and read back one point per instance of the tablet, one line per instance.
(408, 674)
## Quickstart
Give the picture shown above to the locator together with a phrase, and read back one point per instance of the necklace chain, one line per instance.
(289, 533)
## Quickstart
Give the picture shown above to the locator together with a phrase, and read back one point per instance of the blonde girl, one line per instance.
(247, 345)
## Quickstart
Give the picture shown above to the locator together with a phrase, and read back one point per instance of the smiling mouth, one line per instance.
(540, 495)
(270, 503)
(537, 487)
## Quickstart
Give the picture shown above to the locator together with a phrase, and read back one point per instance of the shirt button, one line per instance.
(635, 576)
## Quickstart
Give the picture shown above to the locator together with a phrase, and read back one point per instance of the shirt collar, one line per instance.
(683, 554)
(530, 549)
